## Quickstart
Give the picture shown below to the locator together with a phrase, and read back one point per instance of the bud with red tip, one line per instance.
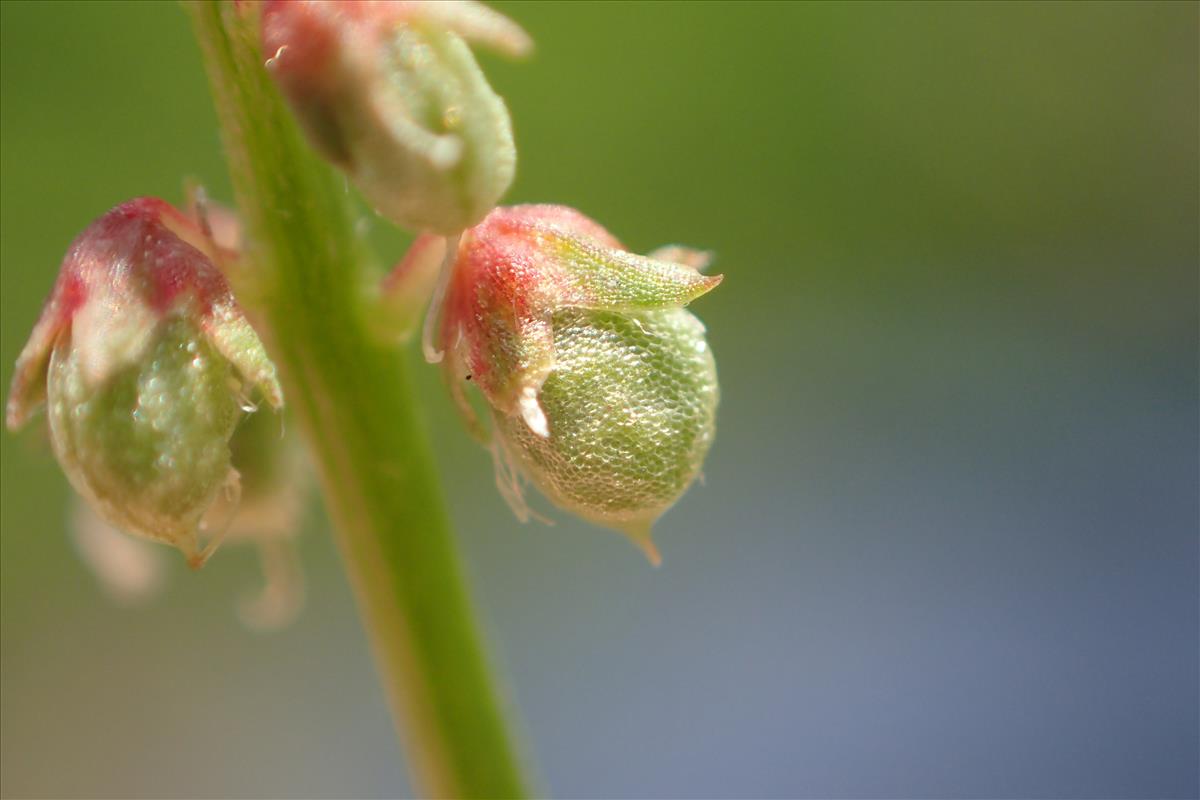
(144, 360)
(601, 387)
(390, 93)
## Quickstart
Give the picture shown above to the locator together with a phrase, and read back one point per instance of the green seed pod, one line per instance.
(390, 93)
(632, 403)
(273, 479)
(149, 445)
(144, 361)
(601, 387)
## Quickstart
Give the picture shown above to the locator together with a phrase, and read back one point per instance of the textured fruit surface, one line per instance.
(521, 265)
(149, 446)
(631, 403)
(600, 386)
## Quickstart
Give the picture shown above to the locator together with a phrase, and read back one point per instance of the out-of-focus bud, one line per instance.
(275, 479)
(601, 387)
(404, 293)
(129, 570)
(144, 361)
(390, 93)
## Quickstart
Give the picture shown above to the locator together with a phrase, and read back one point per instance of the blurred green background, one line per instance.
(947, 544)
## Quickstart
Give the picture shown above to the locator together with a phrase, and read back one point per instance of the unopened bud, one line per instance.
(601, 387)
(144, 361)
(390, 93)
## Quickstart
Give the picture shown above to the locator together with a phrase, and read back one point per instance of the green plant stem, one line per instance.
(353, 400)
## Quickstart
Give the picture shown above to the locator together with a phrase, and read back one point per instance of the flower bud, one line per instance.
(601, 387)
(390, 93)
(144, 361)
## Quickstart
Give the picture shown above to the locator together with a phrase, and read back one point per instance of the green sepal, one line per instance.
(608, 279)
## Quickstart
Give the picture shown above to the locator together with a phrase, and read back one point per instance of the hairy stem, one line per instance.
(353, 399)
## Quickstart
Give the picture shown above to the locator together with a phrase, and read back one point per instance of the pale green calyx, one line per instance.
(391, 94)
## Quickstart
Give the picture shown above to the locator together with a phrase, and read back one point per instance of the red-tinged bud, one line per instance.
(144, 360)
(390, 93)
(601, 387)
